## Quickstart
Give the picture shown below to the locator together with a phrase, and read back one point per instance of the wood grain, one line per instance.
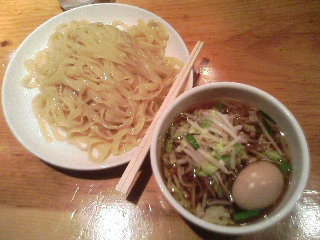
(273, 45)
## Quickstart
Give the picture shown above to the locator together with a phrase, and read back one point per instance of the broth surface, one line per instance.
(205, 149)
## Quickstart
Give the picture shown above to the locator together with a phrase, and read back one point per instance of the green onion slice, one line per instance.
(266, 116)
(192, 140)
(285, 167)
(246, 215)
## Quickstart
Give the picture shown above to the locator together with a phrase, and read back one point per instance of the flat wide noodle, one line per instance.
(100, 86)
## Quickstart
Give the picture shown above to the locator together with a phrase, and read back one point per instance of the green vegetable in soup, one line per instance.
(246, 215)
(206, 123)
(273, 155)
(207, 169)
(285, 167)
(267, 117)
(192, 140)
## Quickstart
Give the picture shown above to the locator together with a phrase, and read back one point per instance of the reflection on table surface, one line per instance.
(91, 212)
(273, 45)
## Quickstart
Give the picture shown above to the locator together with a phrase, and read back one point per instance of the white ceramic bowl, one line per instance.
(287, 123)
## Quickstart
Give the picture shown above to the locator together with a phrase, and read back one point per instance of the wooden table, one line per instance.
(273, 45)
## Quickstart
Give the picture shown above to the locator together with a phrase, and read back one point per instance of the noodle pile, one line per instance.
(101, 86)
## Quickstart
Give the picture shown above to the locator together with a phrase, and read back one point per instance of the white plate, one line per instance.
(17, 100)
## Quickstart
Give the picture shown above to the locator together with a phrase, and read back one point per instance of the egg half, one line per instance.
(258, 186)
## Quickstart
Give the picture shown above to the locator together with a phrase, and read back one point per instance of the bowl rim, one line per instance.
(302, 181)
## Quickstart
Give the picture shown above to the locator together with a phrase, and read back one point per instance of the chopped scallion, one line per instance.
(268, 127)
(169, 146)
(206, 123)
(218, 150)
(285, 167)
(266, 116)
(220, 107)
(239, 149)
(192, 140)
(208, 168)
(273, 155)
(227, 159)
(246, 215)
(200, 173)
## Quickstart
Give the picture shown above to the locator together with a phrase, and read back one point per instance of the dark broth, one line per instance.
(194, 190)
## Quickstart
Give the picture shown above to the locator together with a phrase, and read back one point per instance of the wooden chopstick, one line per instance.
(126, 182)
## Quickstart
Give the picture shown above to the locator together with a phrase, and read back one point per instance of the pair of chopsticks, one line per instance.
(126, 182)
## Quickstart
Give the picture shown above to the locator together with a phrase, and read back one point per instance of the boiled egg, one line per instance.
(258, 185)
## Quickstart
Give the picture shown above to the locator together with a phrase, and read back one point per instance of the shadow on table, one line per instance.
(102, 174)
(207, 235)
(115, 172)
(141, 182)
